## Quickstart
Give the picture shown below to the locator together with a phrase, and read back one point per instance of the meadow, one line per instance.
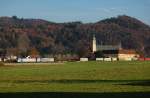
(73, 77)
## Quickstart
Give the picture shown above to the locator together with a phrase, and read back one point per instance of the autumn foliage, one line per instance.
(39, 37)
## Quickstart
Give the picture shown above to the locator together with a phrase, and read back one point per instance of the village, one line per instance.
(74, 49)
(100, 53)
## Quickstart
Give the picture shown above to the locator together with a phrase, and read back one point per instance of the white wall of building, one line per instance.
(34, 60)
(107, 59)
(126, 57)
(47, 60)
(83, 59)
(99, 59)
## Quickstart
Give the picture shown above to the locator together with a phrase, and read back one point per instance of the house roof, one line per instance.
(125, 51)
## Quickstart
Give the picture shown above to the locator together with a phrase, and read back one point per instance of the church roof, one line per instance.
(108, 47)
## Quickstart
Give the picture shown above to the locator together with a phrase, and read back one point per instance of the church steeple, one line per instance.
(120, 46)
(94, 44)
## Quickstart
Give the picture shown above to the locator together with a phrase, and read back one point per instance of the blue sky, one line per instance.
(76, 10)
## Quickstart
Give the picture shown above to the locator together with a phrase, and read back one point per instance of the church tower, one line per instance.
(94, 44)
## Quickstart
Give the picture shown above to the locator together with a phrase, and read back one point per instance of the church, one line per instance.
(115, 51)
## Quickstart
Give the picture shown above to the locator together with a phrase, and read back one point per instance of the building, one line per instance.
(114, 51)
(127, 55)
(94, 44)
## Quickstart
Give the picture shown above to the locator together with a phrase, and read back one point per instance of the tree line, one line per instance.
(23, 37)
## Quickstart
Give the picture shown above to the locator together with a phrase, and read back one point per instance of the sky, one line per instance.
(86, 11)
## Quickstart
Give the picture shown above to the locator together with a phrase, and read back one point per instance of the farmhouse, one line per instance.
(115, 51)
(127, 55)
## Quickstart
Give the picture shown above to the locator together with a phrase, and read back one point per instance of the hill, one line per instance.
(35, 36)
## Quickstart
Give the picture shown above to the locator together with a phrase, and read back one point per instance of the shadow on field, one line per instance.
(138, 83)
(65, 81)
(79, 94)
(74, 95)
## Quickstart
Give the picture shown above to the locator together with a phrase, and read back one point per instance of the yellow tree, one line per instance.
(34, 52)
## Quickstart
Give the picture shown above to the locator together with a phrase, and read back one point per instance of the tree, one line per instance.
(12, 51)
(34, 52)
(82, 49)
(23, 44)
(15, 17)
(99, 54)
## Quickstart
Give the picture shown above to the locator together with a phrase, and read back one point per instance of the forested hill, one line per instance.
(23, 36)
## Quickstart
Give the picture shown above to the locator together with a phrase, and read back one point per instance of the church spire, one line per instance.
(94, 44)
(120, 45)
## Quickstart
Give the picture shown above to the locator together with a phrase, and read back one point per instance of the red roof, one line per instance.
(125, 51)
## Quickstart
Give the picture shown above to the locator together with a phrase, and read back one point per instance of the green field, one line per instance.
(96, 77)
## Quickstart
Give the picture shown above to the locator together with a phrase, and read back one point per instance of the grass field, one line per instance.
(88, 77)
